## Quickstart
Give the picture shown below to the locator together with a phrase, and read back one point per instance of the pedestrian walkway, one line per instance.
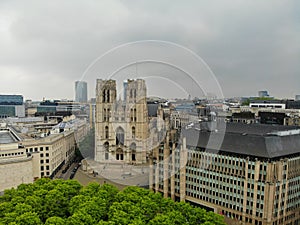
(117, 173)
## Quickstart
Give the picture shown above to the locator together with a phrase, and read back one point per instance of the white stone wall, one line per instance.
(14, 173)
(20, 110)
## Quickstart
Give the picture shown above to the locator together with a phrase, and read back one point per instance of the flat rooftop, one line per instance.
(6, 137)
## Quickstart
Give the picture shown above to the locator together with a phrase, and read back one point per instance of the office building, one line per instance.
(11, 106)
(263, 94)
(252, 178)
(31, 148)
(59, 108)
(125, 84)
(81, 91)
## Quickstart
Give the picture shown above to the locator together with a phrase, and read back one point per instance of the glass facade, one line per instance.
(7, 111)
(46, 109)
(80, 91)
(11, 99)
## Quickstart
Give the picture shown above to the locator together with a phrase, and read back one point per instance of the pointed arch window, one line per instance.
(108, 96)
(103, 96)
(133, 132)
(119, 136)
(106, 149)
(133, 151)
(104, 115)
(106, 132)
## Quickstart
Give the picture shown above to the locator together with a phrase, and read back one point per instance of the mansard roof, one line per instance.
(255, 140)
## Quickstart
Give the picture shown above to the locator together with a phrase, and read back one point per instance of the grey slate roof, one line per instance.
(253, 140)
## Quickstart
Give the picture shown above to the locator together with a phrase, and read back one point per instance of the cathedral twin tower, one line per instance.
(121, 126)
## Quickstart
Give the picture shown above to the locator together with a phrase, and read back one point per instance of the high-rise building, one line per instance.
(121, 128)
(263, 94)
(252, 178)
(81, 91)
(125, 84)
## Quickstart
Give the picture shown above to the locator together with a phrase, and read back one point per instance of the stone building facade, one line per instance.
(24, 158)
(121, 127)
(253, 178)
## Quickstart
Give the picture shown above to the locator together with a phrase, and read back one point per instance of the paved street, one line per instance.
(118, 174)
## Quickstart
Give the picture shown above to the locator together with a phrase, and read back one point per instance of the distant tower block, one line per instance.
(125, 84)
(297, 97)
(81, 91)
(263, 94)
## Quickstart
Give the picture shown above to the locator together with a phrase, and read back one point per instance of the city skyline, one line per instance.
(249, 46)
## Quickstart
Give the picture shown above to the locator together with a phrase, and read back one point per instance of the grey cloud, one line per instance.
(250, 45)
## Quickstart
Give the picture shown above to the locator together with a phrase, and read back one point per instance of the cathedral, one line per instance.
(121, 126)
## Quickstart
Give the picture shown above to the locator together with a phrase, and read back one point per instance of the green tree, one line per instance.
(67, 202)
(76, 202)
(80, 218)
(28, 218)
(55, 221)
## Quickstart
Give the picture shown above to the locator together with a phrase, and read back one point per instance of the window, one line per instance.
(133, 151)
(105, 114)
(119, 154)
(106, 132)
(131, 93)
(108, 96)
(106, 148)
(103, 96)
(120, 136)
(133, 132)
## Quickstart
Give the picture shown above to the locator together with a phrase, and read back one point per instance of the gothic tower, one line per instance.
(137, 120)
(106, 93)
(121, 126)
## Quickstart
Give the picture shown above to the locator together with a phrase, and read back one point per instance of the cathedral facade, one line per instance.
(121, 126)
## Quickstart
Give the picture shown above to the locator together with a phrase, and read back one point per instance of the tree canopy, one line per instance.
(55, 202)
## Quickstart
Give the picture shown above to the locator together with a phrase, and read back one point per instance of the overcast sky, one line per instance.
(45, 46)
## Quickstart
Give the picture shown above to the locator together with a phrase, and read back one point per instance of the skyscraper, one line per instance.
(80, 91)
